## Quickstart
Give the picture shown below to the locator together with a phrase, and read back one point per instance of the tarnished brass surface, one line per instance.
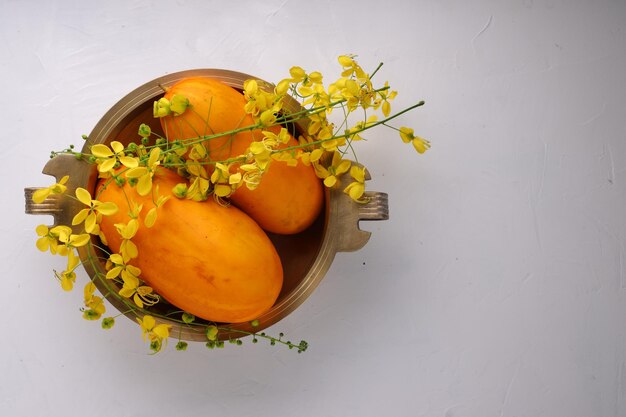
(306, 256)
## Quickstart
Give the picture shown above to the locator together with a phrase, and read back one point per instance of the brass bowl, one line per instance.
(306, 257)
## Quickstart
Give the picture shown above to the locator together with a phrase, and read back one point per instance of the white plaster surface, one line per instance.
(497, 287)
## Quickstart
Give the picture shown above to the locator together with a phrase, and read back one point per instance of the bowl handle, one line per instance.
(62, 209)
(51, 205)
(350, 237)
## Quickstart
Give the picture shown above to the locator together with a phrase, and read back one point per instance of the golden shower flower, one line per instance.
(331, 174)
(144, 174)
(155, 333)
(41, 194)
(68, 277)
(108, 158)
(127, 231)
(142, 294)
(94, 211)
(421, 145)
(95, 305)
(356, 188)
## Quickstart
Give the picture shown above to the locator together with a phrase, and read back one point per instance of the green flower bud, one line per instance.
(188, 318)
(211, 332)
(179, 104)
(144, 130)
(161, 108)
(108, 322)
(180, 190)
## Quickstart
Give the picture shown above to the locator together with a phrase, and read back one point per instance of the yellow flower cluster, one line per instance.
(324, 144)
(62, 240)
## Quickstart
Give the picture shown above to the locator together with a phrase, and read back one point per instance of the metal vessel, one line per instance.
(306, 256)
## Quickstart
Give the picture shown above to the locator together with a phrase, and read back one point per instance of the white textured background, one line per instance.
(498, 286)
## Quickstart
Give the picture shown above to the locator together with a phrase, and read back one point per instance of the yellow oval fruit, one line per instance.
(212, 261)
(288, 199)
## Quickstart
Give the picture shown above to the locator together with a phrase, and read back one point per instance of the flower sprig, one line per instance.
(325, 144)
(334, 119)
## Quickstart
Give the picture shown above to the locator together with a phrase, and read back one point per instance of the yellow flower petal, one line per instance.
(114, 272)
(355, 190)
(386, 108)
(83, 196)
(80, 217)
(67, 281)
(305, 91)
(126, 292)
(345, 61)
(89, 289)
(40, 195)
(148, 323)
(316, 154)
(155, 153)
(343, 167)
(235, 178)
(129, 162)
(131, 269)
(144, 185)
(101, 151)
(250, 87)
(131, 281)
(297, 74)
(103, 238)
(90, 222)
(62, 232)
(162, 331)
(116, 258)
(222, 190)
(106, 165)
(150, 217)
(72, 260)
(282, 87)
(117, 147)
(144, 290)
(137, 301)
(41, 230)
(107, 208)
(131, 229)
(257, 148)
(330, 181)
(136, 172)
(129, 249)
(43, 244)
(358, 173)
(421, 145)
(406, 134)
(79, 240)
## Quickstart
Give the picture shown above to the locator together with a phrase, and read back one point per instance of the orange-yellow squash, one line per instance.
(288, 199)
(209, 260)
